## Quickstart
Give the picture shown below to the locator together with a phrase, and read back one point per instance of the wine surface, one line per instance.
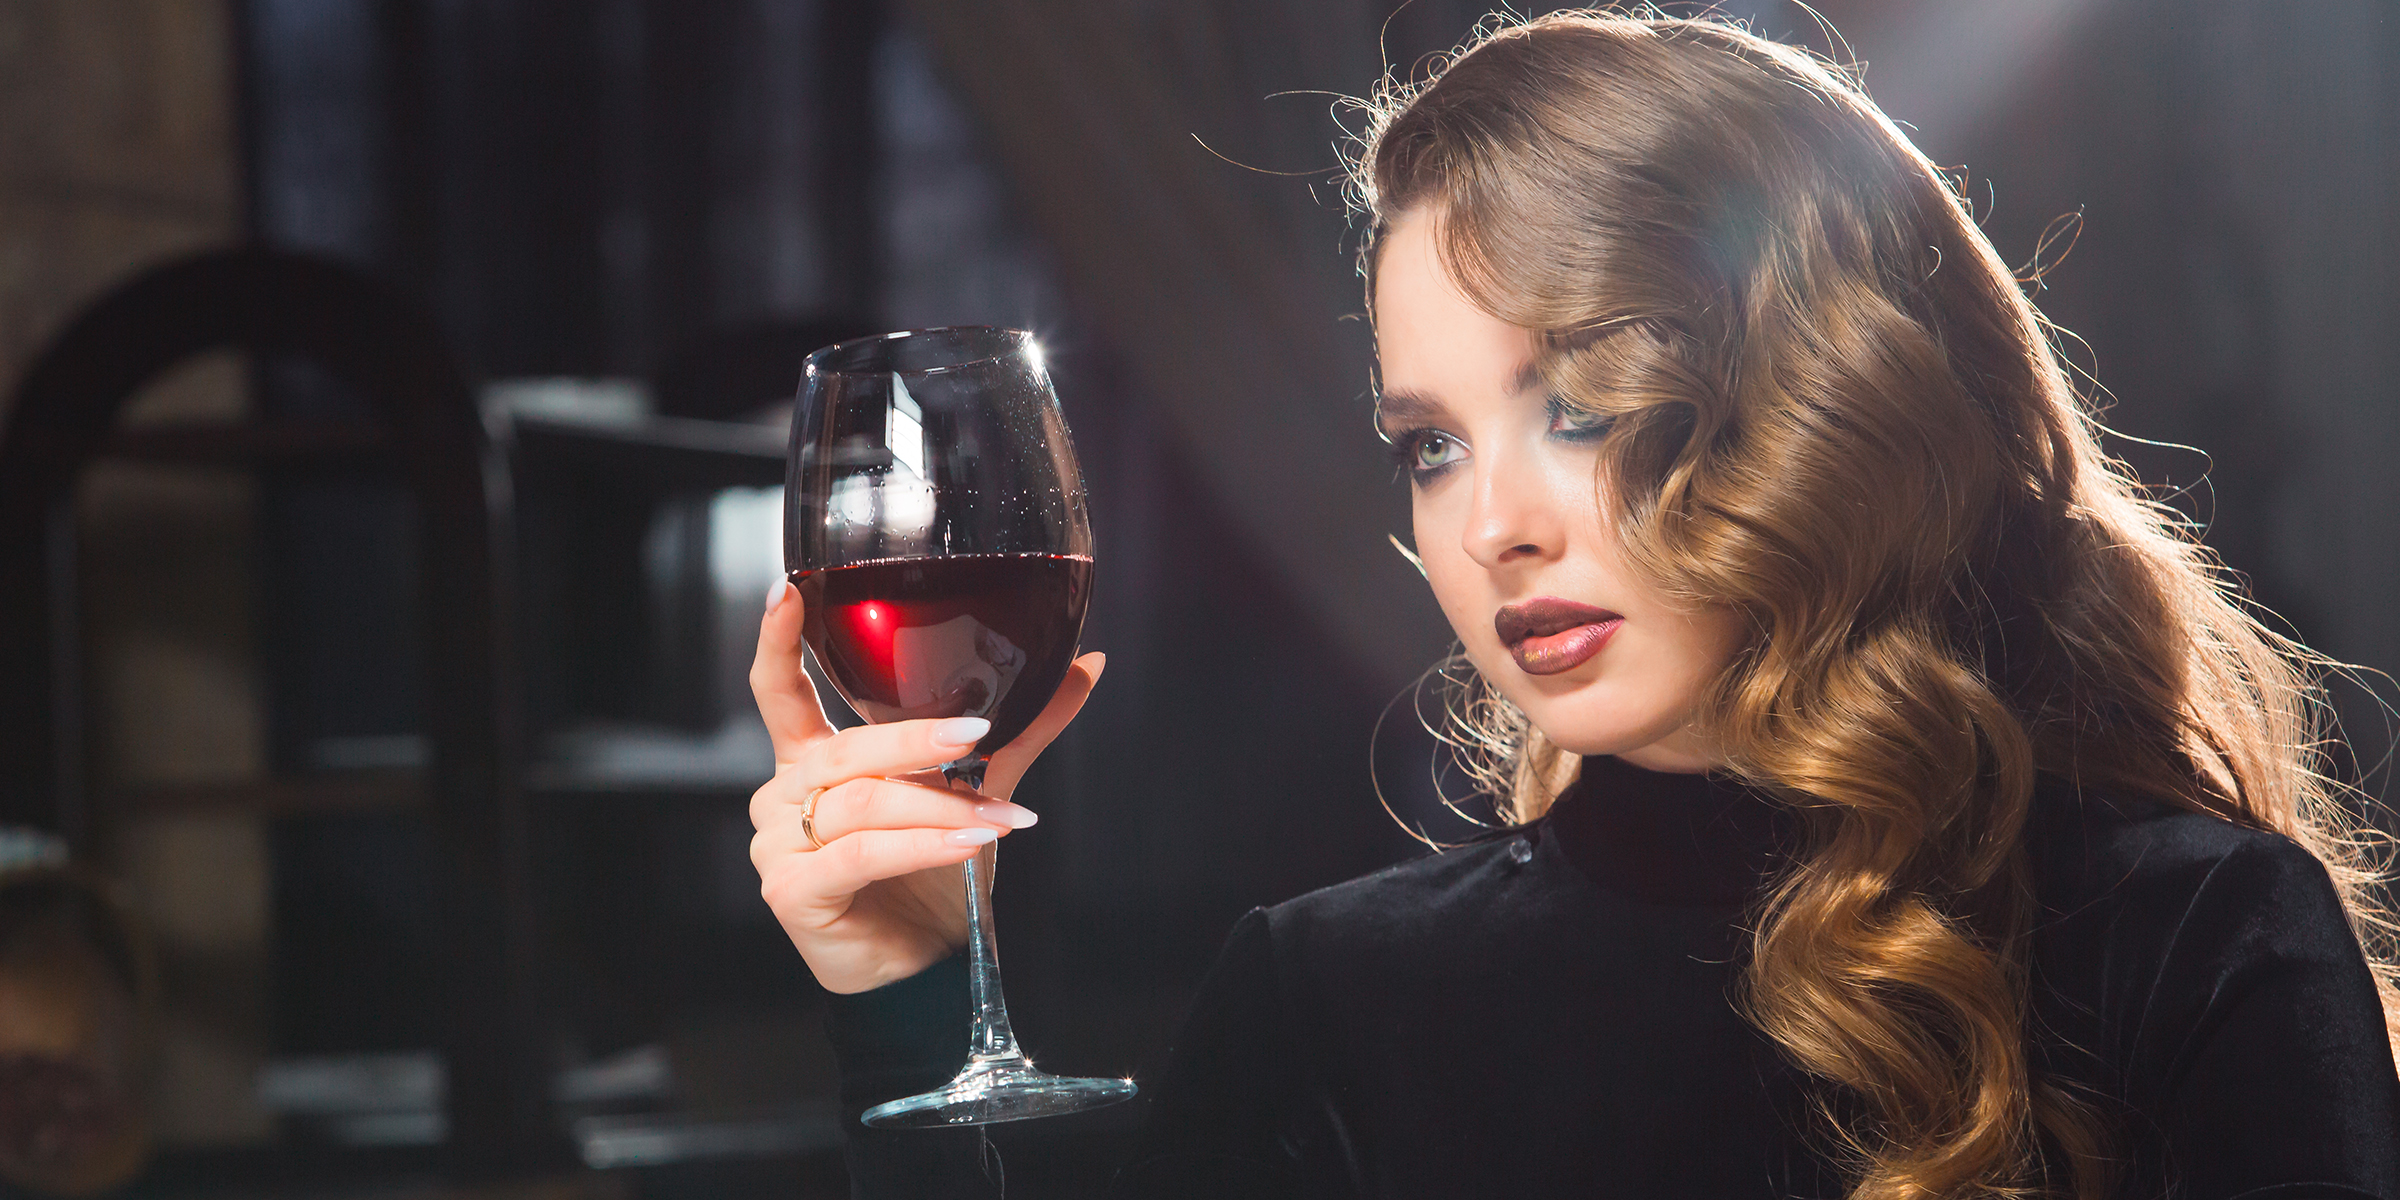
(970, 635)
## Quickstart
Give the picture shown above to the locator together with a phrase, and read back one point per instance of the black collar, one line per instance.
(1696, 839)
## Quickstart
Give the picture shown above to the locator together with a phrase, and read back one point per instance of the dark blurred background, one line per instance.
(628, 221)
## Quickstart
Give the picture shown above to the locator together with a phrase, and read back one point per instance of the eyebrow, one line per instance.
(1405, 407)
(1408, 405)
(1528, 377)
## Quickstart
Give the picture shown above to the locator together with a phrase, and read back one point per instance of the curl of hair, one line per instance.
(1835, 411)
(1500, 752)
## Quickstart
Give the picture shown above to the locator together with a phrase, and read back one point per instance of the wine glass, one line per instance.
(934, 524)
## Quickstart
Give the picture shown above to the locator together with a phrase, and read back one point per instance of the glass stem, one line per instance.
(989, 1037)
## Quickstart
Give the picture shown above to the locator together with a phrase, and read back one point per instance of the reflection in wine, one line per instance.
(969, 635)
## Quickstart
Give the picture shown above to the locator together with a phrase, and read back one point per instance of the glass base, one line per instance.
(992, 1090)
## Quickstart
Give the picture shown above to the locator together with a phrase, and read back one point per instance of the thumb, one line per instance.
(1010, 764)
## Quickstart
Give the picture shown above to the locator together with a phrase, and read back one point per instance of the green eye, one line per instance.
(1434, 451)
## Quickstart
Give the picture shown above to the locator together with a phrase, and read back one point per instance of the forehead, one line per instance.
(1432, 342)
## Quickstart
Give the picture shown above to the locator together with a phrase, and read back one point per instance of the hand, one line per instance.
(884, 899)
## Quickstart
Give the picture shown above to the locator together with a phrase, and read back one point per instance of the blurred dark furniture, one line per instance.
(574, 919)
(425, 428)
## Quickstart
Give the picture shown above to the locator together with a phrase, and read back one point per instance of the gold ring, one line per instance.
(808, 818)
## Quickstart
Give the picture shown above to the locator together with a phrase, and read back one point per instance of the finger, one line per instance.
(830, 876)
(909, 749)
(772, 848)
(865, 804)
(1010, 764)
(899, 748)
(787, 701)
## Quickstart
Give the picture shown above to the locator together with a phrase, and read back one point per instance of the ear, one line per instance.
(1407, 553)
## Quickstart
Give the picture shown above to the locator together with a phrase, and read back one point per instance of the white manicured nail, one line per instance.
(1001, 812)
(971, 837)
(776, 594)
(961, 731)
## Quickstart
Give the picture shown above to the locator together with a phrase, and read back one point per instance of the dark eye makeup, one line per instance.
(1424, 452)
(1412, 448)
(1576, 424)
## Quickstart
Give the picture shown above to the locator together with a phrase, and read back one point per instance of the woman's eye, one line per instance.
(1424, 453)
(1433, 451)
(1577, 424)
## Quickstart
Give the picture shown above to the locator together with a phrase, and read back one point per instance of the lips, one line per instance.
(1547, 635)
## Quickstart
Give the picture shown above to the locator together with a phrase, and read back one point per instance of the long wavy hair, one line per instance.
(1835, 410)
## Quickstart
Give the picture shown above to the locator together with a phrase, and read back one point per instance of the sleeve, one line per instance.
(898, 1040)
(1241, 1108)
(2271, 1071)
(1238, 1110)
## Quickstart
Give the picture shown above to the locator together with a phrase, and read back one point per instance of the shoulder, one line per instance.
(1407, 899)
(2205, 974)
(1432, 913)
(2137, 856)
(2155, 920)
(1283, 962)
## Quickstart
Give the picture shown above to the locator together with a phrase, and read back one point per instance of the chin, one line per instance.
(1595, 716)
(1596, 733)
(1579, 742)
(1590, 724)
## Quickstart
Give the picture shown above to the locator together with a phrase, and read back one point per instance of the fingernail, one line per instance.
(971, 837)
(1001, 812)
(961, 731)
(776, 594)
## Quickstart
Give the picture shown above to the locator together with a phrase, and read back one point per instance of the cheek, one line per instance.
(1702, 647)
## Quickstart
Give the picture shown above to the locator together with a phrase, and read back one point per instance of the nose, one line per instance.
(1512, 519)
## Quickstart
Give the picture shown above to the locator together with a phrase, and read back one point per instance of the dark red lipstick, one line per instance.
(1548, 635)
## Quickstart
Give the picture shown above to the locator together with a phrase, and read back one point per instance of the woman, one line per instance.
(1903, 807)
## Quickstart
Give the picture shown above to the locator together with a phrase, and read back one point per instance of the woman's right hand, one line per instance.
(883, 898)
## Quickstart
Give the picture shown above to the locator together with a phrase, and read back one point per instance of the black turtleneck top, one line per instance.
(1548, 1012)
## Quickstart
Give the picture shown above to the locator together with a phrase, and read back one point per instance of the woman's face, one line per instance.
(1511, 530)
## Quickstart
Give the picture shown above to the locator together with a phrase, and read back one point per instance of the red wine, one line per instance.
(970, 635)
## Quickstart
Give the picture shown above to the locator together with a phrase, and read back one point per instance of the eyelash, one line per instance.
(1559, 409)
(1406, 443)
(1405, 446)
